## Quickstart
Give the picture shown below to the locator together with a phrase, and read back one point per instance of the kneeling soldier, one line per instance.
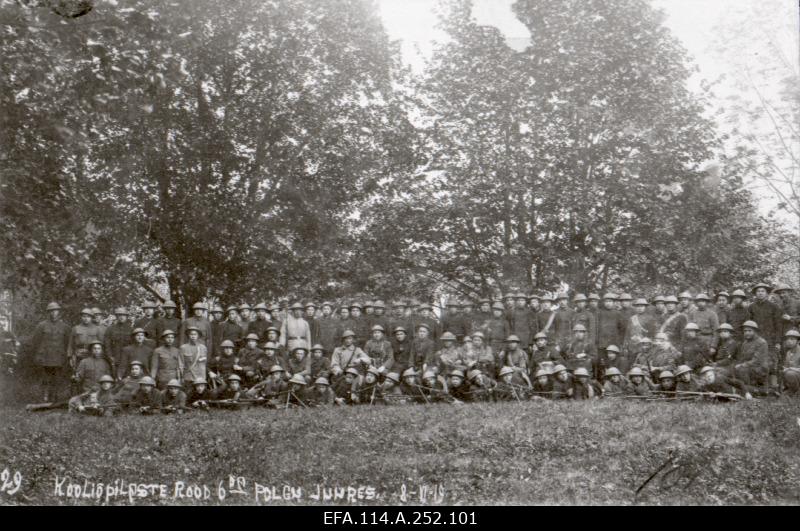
(174, 399)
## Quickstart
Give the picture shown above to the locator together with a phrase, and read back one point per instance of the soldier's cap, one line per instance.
(95, 342)
(508, 295)
(636, 371)
(296, 306)
(691, 326)
(273, 329)
(426, 326)
(300, 347)
(723, 294)
(662, 336)
(428, 374)
(248, 337)
(666, 375)
(577, 328)
(105, 378)
(580, 297)
(474, 373)
(379, 304)
(231, 308)
(393, 376)
(138, 331)
(146, 380)
(658, 298)
(559, 368)
(356, 304)
(641, 302)
(283, 299)
(298, 379)
(276, 368)
(198, 306)
(373, 370)
(86, 311)
(167, 333)
(169, 304)
(580, 371)
(610, 296)
(321, 381)
(398, 329)
(148, 304)
(327, 303)
(625, 297)
(750, 324)
(562, 296)
(353, 371)
(260, 306)
(448, 336)
(542, 335)
(682, 369)
(671, 299)
(348, 333)
(271, 345)
(478, 334)
(645, 340)
(546, 298)
(409, 372)
(498, 306)
(539, 373)
(318, 347)
(506, 370)
(199, 381)
(234, 378)
(378, 327)
(369, 304)
(782, 287)
(593, 297)
(456, 372)
(53, 306)
(612, 371)
(217, 309)
(702, 297)
(227, 344)
(425, 306)
(738, 293)
(97, 311)
(725, 326)
(792, 333)
(684, 295)
(244, 306)
(453, 303)
(512, 339)
(706, 369)
(760, 285)
(613, 348)
(173, 383)
(467, 303)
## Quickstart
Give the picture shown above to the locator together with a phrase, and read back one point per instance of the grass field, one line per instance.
(516, 453)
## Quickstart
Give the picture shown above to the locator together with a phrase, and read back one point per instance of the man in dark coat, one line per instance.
(49, 344)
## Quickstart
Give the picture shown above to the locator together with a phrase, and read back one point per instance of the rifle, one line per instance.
(46, 406)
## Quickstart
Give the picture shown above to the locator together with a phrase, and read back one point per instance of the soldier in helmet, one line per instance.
(789, 307)
(269, 359)
(117, 337)
(611, 324)
(82, 334)
(259, 325)
(425, 318)
(391, 392)
(513, 356)
(101, 402)
(695, 352)
(328, 328)
(299, 362)
(347, 356)
(481, 387)
(685, 302)
(543, 383)
(173, 399)
(707, 322)
(319, 364)
(506, 390)
(482, 355)
(410, 386)
(231, 390)
(140, 350)
(664, 356)
(522, 321)
(715, 381)
(791, 362)
(248, 358)
(199, 394)
(611, 358)
(580, 351)
(369, 390)
(195, 357)
(346, 387)
(614, 383)
(727, 347)
(641, 324)
(497, 328)
(582, 316)
(398, 317)
(224, 364)
(90, 369)
(295, 329)
(722, 306)
(659, 309)
(200, 324)
(229, 331)
(379, 349)
(546, 317)
(543, 352)
(686, 381)
(674, 321)
(562, 382)
(127, 388)
(737, 313)
(361, 326)
(584, 387)
(666, 383)
(424, 347)
(434, 387)
(320, 394)
(562, 324)
(168, 322)
(457, 387)
(97, 320)
(273, 388)
(768, 316)
(147, 398)
(166, 362)
(149, 321)
(640, 384)
(454, 322)
(403, 350)
(755, 359)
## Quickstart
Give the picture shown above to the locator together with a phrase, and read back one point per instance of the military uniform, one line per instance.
(49, 344)
(727, 352)
(166, 363)
(195, 360)
(673, 325)
(737, 315)
(228, 331)
(562, 327)
(694, 353)
(204, 326)
(756, 360)
(295, 333)
(347, 357)
(610, 328)
(381, 352)
(259, 328)
(791, 370)
(328, 330)
(89, 372)
(708, 322)
(448, 359)
(424, 352)
(80, 337)
(586, 318)
(522, 323)
(403, 354)
(117, 337)
(497, 329)
(767, 316)
(135, 352)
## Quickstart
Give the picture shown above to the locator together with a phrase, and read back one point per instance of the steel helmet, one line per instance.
(613, 371)
(227, 344)
(506, 370)
(173, 383)
(146, 380)
(106, 378)
(580, 371)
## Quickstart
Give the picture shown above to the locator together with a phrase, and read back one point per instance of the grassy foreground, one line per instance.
(516, 453)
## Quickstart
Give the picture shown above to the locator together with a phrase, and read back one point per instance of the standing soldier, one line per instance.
(276, 315)
(328, 328)
(685, 302)
(140, 350)
(453, 321)
(295, 330)
(470, 318)
(508, 302)
(546, 318)
(402, 350)
(97, 320)
(522, 321)
(229, 330)
(369, 310)
(91, 368)
(582, 316)
(640, 325)
(379, 316)
(166, 362)
(218, 315)
(426, 318)
(674, 321)
(118, 336)
(788, 306)
(497, 328)
(659, 309)
(203, 326)
(195, 357)
(707, 321)
(610, 324)
(245, 315)
(580, 352)
(169, 322)
(261, 323)
(533, 303)
(737, 313)
(313, 322)
(721, 307)
(360, 323)
(626, 302)
(398, 317)
(82, 334)
(148, 321)
(768, 316)
(484, 314)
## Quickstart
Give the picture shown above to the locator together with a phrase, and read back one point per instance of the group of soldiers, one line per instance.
(518, 347)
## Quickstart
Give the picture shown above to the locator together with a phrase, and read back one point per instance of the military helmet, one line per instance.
(97, 311)
(248, 337)
(760, 285)
(425, 306)
(671, 299)
(146, 380)
(169, 304)
(409, 372)
(684, 295)
(393, 376)
(310, 304)
(174, 383)
(318, 347)
(561, 295)
(231, 308)
(577, 328)
(148, 304)
(725, 326)
(348, 333)
(474, 373)
(782, 287)
(379, 304)
(298, 379)
(271, 345)
(400, 304)
(533, 297)
(428, 374)
(666, 374)
(95, 342)
(321, 381)
(136, 362)
(559, 368)
(138, 331)
(546, 298)
(593, 297)
(581, 371)
(702, 297)
(640, 302)
(506, 370)
(199, 381)
(682, 369)
(106, 378)
(198, 306)
(498, 306)
(327, 303)
(706, 369)
(580, 297)
(738, 293)
(508, 296)
(448, 336)
(121, 311)
(374, 370)
(377, 327)
(261, 306)
(723, 294)
(276, 368)
(86, 311)
(646, 340)
(53, 306)
(610, 296)
(662, 336)
(356, 304)
(691, 326)
(541, 335)
(273, 329)
(750, 324)
(613, 348)
(353, 371)
(399, 329)
(234, 378)
(301, 346)
(625, 297)
(612, 371)
(512, 339)
(457, 372)
(658, 298)
(539, 373)
(369, 303)
(792, 333)
(217, 309)
(425, 326)
(227, 344)
(636, 371)
(296, 306)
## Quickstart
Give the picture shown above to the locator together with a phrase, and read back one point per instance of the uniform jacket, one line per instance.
(708, 322)
(352, 356)
(767, 316)
(403, 354)
(381, 352)
(49, 343)
(673, 326)
(141, 353)
(328, 330)
(206, 336)
(610, 328)
(89, 371)
(727, 352)
(118, 336)
(522, 323)
(259, 328)
(737, 315)
(165, 364)
(81, 336)
(755, 355)
(695, 353)
(195, 359)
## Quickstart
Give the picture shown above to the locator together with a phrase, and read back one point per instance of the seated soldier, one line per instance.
(369, 391)
(480, 386)
(686, 381)
(173, 398)
(458, 389)
(643, 358)
(666, 383)
(299, 362)
(402, 350)
(319, 365)
(200, 394)
(225, 364)
(640, 384)
(791, 362)
(612, 358)
(269, 359)
(584, 388)
(248, 359)
(297, 391)
(346, 388)
(91, 368)
(483, 355)
(101, 402)
(506, 390)
(321, 394)
(754, 361)
(347, 356)
(147, 399)
(449, 357)
(580, 344)
(434, 387)
(129, 385)
(562, 382)
(273, 388)
(717, 381)
(727, 348)
(517, 359)
(391, 393)
(615, 384)
(379, 349)
(410, 386)
(424, 348)
(543, 383)
(694, 351)
(544, 353)
(665, 357)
